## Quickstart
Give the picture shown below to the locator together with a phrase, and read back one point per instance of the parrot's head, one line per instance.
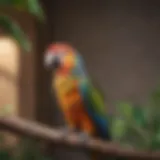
(60, 56)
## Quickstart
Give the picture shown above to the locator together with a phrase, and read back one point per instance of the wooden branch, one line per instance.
(35, 130)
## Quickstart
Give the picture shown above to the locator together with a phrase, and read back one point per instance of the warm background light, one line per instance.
(9, 69)
(9, 52)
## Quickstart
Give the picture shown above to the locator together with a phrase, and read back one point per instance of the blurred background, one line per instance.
(119, 41)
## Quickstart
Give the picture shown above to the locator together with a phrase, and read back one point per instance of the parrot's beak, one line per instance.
(51, 62)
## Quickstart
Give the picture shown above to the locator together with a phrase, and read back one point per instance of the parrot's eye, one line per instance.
(56, 62)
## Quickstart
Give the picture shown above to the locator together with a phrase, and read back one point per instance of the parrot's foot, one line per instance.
(66, 130)
(84, 136)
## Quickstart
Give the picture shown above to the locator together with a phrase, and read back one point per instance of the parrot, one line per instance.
(77, 96)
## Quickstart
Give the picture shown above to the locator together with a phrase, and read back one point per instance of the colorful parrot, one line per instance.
(79, 100)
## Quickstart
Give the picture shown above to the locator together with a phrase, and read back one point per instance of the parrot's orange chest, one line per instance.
(70, 101)
(68, 97)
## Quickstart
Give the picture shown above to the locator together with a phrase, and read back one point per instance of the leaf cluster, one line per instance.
(138, 126)
(26, 149)
(11, 27)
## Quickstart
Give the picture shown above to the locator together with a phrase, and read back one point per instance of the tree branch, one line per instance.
(35, 130)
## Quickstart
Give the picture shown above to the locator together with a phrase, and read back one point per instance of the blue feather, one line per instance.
(100, 121)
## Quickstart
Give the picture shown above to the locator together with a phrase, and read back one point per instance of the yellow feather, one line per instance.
(63, 86)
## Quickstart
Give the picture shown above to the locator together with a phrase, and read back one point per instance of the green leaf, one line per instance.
(134, 138)
(12, 28)
(125, 109)
(135, 133)
(155, 143)
(118, 128)
(155, 99)
(33, 7)
(155, 110)
(139, 116)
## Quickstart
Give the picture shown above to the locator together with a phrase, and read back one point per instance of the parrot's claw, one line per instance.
(84, 136)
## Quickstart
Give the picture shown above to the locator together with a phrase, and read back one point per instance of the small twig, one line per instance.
(35, 130)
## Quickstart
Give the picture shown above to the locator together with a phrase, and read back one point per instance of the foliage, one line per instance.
(27, 149)
(138, 126)
(10, 26)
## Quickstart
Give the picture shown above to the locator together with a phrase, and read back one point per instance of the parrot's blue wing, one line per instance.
(95, 108)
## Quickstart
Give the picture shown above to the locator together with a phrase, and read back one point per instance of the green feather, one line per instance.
(97, 99)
